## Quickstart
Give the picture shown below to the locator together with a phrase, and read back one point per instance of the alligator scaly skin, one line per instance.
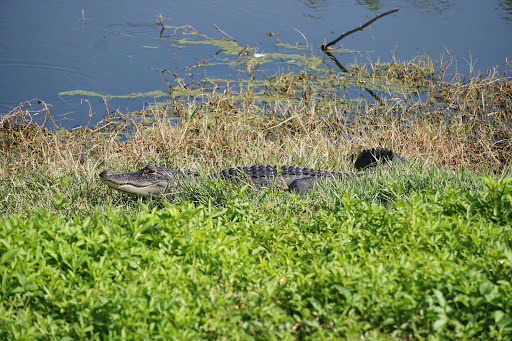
(154, 180)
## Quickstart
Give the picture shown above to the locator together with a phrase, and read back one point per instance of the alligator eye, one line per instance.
(150, 169)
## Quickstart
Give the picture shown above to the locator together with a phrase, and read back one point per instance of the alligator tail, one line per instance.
(365, 159)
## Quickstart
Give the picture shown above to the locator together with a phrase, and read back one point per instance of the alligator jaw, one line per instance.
(148, 181)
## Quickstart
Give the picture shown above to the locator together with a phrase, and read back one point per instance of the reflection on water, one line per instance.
(426, 6)
(506, 7)
(432, 6)
(371, 4)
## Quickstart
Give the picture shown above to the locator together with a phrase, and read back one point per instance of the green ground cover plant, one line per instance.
(435, 266)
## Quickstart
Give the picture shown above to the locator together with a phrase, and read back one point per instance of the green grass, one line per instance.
(416, 266)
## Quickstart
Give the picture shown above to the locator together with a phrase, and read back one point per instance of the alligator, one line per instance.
(153, 180)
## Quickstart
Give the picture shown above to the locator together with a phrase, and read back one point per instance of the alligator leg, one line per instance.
(304, 185)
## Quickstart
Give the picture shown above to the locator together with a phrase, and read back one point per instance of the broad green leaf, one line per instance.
(9, 255)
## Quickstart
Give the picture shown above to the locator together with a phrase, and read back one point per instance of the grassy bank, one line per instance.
(421, 250)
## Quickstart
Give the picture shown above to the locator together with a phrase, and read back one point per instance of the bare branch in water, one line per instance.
(360, 28)
(227, 35)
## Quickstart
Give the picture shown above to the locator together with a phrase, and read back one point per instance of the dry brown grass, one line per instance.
(299, 118)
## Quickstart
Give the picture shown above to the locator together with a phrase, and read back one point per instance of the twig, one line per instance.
(303, 36)
(360, 28)
(159, 22)
(245, 51)
(227, 35)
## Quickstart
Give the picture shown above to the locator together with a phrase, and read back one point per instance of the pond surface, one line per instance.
(114, 48)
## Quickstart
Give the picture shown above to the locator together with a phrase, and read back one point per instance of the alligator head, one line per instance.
(150, 180)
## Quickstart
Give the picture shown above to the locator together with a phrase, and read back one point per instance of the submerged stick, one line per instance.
(227, 35)
(360, 28)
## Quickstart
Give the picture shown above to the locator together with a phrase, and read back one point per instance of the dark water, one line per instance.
(47, 48)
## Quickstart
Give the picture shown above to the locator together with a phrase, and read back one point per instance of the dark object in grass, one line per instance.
(370, 157)
(154, 180)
